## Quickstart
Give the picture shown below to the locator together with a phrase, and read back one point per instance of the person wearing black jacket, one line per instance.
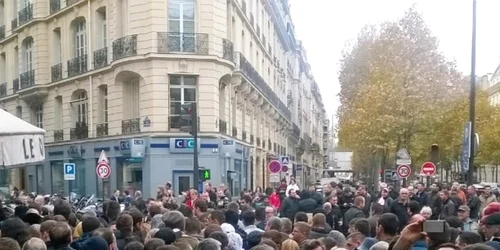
(290, 205)
(473, 202)
(346, 200)
(307, 204)
(422, 196)
(400, 208)
(355, 211)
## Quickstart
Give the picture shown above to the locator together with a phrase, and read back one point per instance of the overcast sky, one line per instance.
(326, 25)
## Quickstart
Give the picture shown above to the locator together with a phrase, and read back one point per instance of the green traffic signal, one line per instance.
(205, 174)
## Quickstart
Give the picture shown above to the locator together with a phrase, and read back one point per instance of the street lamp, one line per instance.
(472, 97)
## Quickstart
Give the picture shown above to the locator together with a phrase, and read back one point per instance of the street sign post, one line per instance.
(466, 147)
(403, 157)
(69, 171)
(428, 169)
(274, 177)
(394, 176)
(274, 167)
(403, 171)
(103, 170)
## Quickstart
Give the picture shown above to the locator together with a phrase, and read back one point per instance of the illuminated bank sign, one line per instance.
(182, 145)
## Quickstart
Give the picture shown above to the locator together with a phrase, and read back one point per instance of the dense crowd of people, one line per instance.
(282, 218)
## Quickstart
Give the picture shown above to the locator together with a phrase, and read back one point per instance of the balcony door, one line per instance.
(28, 55)
(181, 25)
(81, 45)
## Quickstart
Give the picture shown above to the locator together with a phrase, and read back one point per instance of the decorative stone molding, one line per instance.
(76, 11)
(183, 65)
(236, 81)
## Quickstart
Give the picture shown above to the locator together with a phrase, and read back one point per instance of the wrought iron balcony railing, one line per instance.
(258, 142)
(56, 72)
(77, 66)
(71, 2)
(81, 131)
(102, 129)
(124, 47)
(244, 135)
(3, 89)
(26, 14)
(55, 6)
(244, 6)
(227, 50)
(13, 23)
(27, 79)
(175, 42)
(235, 131)
(2, 32)
(131, 126)
(15, 85)
(222, 126)
(59, 135)
(100, 58)
(254, 77)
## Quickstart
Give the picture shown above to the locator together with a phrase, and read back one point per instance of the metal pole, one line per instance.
(194, 131)
(472, 98)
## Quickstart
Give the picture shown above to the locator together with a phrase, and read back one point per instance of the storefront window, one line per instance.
(237, 178)
(39, 180)
(78, 185)
(129, 176)
(57, 173)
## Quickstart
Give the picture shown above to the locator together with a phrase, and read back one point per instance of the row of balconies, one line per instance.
(80, 131)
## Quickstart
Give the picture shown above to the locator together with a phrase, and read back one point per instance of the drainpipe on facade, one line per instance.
(90, 61)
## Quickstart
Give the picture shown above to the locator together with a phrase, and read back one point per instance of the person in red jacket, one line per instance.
(274, 200)
(191, 197)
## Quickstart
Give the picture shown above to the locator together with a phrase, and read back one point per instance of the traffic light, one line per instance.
(435, 154)
(204, 174)
(189, 118)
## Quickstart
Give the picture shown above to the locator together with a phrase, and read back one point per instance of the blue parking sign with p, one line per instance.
(69, 171)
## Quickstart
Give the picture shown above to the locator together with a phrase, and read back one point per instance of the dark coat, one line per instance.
(401, 211)
(352, 213)
(317, 233)
(473, 203)
(289, 207)
(447, 209)
(423, 198)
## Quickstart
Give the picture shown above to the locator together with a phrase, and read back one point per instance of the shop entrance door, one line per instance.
(183, 181)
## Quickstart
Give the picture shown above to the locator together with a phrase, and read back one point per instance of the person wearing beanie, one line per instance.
(95, 243)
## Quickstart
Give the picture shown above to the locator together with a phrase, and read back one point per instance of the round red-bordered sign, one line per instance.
(103, 170)
(403, 171)
(428, 169)
(274, 166)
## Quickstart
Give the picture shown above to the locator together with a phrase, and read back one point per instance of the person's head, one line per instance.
(7, 243)
(209, 244)
(125, 224)
(112, 210)
(217, 217)
(290, 244)
(270, 212)
(354, 241)
(248, 218)
(60, 234)
(287, 225)
(62, 207)
(387, 225)
(174, 219)
(381, 245)
(273, 223)
(134, 245)
(16, 229)
(404, 194)
(359, 201)
(426, 212)
(420, 187)
(108, 235)
(274, 236)
(362, 226)
(444, 195)
(34, 244)
(414, 207)
(301, 217)
(338, 237)
(193, 226)
(319, 221)
(221, 237)
(487, 190)
(301, 231)
(361, 190)
(210, 229)
(468, 238)
(463, 213)
(90, 223)
(471, 190)
(166, 234)
(200, 206)
(312, 245)
(45, 228)
(153, 244)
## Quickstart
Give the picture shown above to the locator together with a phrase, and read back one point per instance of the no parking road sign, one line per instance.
(403, 171)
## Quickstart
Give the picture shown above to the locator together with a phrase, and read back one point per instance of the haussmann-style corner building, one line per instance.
(113, 76)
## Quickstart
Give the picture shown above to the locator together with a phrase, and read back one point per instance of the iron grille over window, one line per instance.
(27, 79)
(100, 58)
(177, 42)
(26, 14)
(228, 50)
(125, 47)
(77, 66)
(56, 72)
(55, 6)
(131, 126)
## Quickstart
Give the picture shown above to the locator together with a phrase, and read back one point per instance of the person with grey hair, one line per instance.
(209, 244)
(338, 237)
(381, 245)
(157, 221)
(274, 223)
(34, 244)
(174, 220)
(327, 207)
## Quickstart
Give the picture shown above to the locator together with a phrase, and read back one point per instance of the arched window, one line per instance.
(28, 54)
(80, 39)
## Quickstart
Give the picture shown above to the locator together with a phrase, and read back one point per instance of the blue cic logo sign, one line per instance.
(184, 143)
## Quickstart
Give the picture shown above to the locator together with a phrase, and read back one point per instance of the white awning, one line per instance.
(20, 142)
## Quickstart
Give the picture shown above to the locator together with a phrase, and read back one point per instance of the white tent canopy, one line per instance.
(20, 142)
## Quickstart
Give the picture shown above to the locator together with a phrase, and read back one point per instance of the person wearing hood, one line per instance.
(319, 227)
(290, 205)
(89, 224)
(384, 199)
(306, 203)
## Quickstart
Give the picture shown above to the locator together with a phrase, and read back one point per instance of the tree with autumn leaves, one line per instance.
(398, 90)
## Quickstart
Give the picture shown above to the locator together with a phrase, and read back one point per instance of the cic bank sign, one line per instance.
(182, 145)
